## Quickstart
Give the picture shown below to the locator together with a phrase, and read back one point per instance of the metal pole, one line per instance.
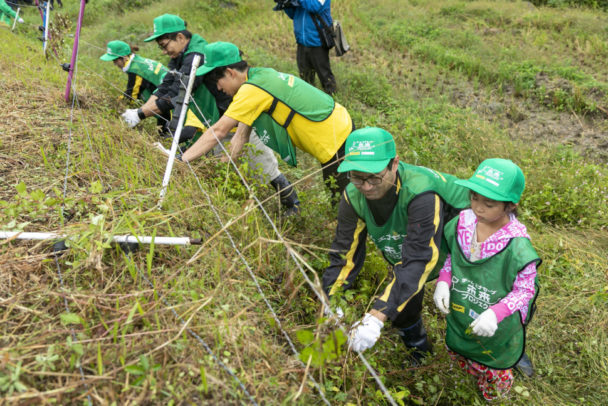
(40, 11)
(68, 86)
(117, 238)
(178, 131)
(46, 26)
(16, 18)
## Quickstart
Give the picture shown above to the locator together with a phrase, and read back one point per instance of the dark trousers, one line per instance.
(410, 313)
(313, 60)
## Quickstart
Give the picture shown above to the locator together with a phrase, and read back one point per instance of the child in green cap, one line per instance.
(144, 75)
(488, 283)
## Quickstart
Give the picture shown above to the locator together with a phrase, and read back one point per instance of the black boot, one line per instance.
(524, 366)
(288, 195)
(414, 337)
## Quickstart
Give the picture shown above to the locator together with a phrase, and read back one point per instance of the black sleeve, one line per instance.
(164, 89)
(420, 252)
(169, 88)
(347, 253)
(128, 93)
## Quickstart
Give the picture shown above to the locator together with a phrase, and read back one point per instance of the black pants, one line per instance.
(313, 60)
(411, 312)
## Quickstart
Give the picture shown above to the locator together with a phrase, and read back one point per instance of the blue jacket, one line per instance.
(303, 27)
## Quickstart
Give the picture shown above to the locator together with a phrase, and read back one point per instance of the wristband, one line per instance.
(140, 114)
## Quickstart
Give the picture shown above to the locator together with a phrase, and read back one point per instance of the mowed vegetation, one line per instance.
(454, 81)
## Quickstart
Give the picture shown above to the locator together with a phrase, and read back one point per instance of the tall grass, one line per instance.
(407, 63)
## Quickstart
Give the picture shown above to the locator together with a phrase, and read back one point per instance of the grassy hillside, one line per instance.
(454, 81)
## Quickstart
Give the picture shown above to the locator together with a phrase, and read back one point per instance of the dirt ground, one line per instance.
(533, 121)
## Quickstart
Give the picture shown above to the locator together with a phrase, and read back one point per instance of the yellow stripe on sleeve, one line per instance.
(431, 264)
(135, 92)
(348, 267)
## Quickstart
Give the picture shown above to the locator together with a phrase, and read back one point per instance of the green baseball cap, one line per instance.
(115, 50)
(166, 24)
(497, 179)
(368, 150)
(219, 54)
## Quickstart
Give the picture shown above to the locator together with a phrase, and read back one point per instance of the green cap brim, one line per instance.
(108, 57)
(364, 166)
(154, 36)
(203, 70)
(485, 192)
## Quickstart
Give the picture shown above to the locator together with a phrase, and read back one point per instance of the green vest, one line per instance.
(478, 285)
(300, 97)
(415, 180)
(6, 13)
(196, 44)
(203, 103)
(150, 70)
(204, 106)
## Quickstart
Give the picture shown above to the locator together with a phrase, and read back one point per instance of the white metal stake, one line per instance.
(117, 238)
(16, 18)
(178, 131)
(47, 17)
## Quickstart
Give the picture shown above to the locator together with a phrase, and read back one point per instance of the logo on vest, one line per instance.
(490, 175)
(458, 308)
(473, 293)
(390, 245)
(264, 137)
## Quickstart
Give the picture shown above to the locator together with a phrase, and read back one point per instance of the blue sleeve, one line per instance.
(314, 6)
(290, 11)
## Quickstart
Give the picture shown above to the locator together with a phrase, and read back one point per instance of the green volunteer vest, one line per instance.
(300, 97)
(478, 285)
(196, 44)
(150, 70)
(203, 103)
(6, 13)
(415, 180)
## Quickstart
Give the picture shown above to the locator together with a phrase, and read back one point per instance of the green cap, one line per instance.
(368, 150)
(115, 50)
(497, 179)
(219, 54)
(166, 24)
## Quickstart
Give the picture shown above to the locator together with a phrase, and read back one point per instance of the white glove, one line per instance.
(337, 312)
(364, 334)
(442, 297)
(20, 20)
(131, 117)
(486, 324)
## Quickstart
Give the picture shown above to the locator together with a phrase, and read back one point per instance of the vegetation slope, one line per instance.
(455, 81)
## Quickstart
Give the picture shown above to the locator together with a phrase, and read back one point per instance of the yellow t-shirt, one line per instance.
(321, 139)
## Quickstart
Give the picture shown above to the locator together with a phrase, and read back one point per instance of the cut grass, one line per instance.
(125, 329)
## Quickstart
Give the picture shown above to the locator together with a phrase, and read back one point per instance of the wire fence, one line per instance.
(225, 225)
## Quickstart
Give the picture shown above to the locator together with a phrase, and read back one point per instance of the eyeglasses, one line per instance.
(164, 45)
(373, 180)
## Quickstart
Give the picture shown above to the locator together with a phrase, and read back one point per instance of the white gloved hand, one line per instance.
(131, 117)
(442, 297)
(486, 324)
(338, 312)
(20, 20)
(364, 334)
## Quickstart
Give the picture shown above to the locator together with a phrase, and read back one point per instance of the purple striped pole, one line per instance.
(40, 10)
(74, 51)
